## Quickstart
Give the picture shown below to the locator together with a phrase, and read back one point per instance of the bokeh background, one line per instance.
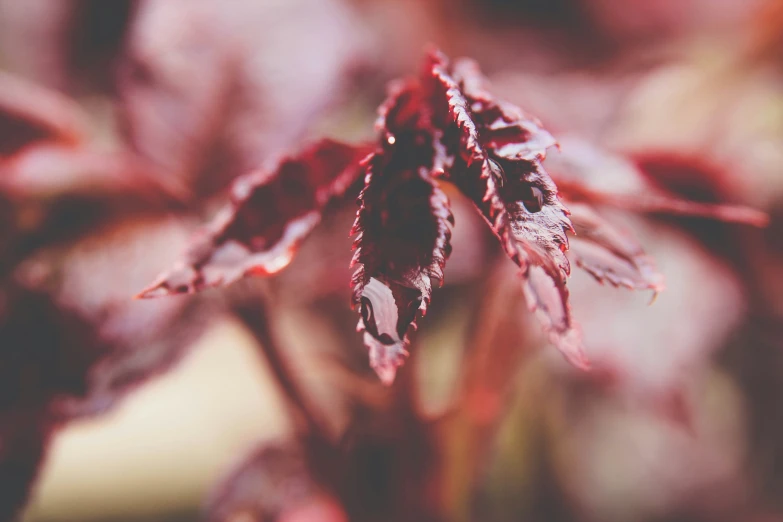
(682, 417)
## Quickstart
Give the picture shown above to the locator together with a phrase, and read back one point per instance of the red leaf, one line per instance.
(500, 150)
(270, 214)
(402, 232)
(272, 483)
(657, 203)
(609, 254)
(40, 356)
(72, 342)
(703, 299)
(30, 114)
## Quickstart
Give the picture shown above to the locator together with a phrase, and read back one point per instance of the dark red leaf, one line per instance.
(73, 342)
(31, 114)
(270, 214)
(274, 483)
(36, 362)
(609, 254)
(45, 351)
(498, 151)
(402, 231)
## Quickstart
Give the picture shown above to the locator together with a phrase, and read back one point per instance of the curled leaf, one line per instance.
(498, 152)
(609, 254)
(73, 342)
(402, 232)
(270, 213)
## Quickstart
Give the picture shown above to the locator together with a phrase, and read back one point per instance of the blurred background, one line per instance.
(681, 418)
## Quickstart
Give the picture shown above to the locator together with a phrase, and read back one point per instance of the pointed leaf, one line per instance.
(271, 212)
(498, 151)
(402, 232)
(609, 254)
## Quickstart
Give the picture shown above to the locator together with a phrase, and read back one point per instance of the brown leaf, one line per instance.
(270, 214)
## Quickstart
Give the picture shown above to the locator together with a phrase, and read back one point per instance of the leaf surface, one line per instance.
(274, 482)
(610, 254)
(402, 231)
(270, 214)
(498, 150)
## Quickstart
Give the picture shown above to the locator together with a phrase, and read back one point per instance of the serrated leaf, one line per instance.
(402, 232)
(498, 152)
(609, 254)
(270, 214)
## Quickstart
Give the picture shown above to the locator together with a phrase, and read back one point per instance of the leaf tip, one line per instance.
(570, 345)
(158, 289)
(386, 373)
(182, 279)
(654, 296)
